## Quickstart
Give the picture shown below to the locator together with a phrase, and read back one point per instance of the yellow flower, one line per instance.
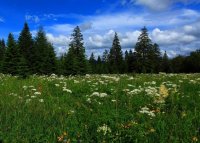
(152, 130)
(65, 133)
(163, 91)
(183, 114)
(195, 139)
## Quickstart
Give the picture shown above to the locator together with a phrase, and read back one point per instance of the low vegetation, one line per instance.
(100, 108)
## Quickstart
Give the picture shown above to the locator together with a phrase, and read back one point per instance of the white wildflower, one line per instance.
(33, 96)
(105, 129)
(57, 85)
(67, 90)
(37, 93)
(28, 100)
(25, 87)
(41, 100)
(145, 110)
(34, 89)
(103, 94)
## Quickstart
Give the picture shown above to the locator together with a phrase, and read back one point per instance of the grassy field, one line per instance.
(162, 108)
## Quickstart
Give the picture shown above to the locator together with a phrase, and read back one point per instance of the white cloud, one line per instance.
(155, 4)
(60, 40)
(32, 18)
(1, 19)
(169, 37)
(60, 29)
(159, 5)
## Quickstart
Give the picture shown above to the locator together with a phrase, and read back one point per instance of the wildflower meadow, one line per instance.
(138, 108)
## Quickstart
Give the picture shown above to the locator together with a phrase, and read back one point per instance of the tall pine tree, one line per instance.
(116, 57)
(2, 53)
(147, 54)
(11, 60)
(75, 59)
(25, 45)
(44, 56)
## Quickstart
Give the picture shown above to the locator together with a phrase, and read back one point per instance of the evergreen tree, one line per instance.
(116, 57)
(44, 56)
(105, 62)
(25, 45)
(99, 69)
(75, 60)
(92, 63)
(154, 59)
(166, 64)
(131, 62)
(22, 68)
(11, 60)
(2, 53)
(146, 53)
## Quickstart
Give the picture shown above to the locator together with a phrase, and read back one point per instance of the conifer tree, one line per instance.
(92, 63)
(44, 58)
(75, 60)
(116, 56)
(99, 69)
(2, 53)
(166, 67)
(25, 45)
(146, 53)
(11, 60)
(105, 61)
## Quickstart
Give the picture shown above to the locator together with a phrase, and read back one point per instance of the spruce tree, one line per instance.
(116, 57)
(75, 60)
(146, 53)
(92, 63)
(44, 56)
(25, 45)
(166, 67)
(11, 60)
(105, 62)
(99, 69)
(2, 53)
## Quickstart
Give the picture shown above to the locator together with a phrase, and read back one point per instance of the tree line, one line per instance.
(28, 55)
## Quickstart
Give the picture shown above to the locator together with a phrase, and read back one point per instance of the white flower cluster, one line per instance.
(146, 110)
(99, 94)
(105, 129)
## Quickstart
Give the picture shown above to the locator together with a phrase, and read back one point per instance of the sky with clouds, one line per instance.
(173, 24)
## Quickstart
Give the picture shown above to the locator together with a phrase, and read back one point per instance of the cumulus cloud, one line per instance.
(169, 37)
(60, 42)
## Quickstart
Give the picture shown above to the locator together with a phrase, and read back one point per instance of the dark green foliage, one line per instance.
(25, 45)
(11, 60)
(116, 57)
(36, 56)
(105, 60)
(148, 54)
(130, 61)
(2, 52)
(99, 68)
(192, 62)
(75, 59)
(44, 59)
(166, 66)
(92, 63)
(22, 68)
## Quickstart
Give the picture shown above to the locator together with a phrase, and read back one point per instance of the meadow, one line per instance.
(140, 108)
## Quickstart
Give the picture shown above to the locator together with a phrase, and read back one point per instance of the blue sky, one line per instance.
(173, 24)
